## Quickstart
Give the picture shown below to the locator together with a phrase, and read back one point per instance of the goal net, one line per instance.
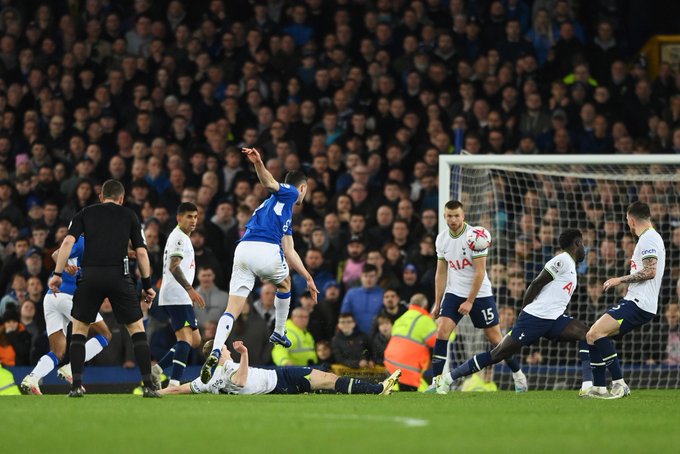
(525, 202)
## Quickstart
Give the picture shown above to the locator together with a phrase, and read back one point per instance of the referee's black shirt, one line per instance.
(107, 228)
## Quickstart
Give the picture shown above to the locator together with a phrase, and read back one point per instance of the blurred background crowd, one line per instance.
(363, 96)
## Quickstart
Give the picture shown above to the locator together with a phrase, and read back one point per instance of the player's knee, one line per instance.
(444, 329)
(592, 335)
(284, 285)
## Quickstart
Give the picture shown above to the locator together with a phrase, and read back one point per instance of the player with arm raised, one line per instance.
(240, 378)
(177, 296)
(57, 307)
(637, 308)
(265, 251)
(462, 288)
(542, 315)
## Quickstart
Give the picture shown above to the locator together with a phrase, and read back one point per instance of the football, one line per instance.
(478, 239)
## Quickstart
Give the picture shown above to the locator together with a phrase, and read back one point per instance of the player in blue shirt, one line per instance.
(265, 251)
(57, 307)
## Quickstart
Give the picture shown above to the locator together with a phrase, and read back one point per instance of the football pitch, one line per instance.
(545, 422)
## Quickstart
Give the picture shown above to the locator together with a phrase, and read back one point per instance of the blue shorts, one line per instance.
(629, 315)
(181, 315)
(528, 328)
(293, 380)
(483, 314)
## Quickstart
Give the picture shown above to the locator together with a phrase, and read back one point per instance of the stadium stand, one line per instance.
(361, 95)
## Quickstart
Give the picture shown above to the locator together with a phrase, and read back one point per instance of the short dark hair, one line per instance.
(453, 205)
(186, 207)
(567, 237)
(368, 268)
(112, 189)
(345, 315)
(296, 178)
(639, 210)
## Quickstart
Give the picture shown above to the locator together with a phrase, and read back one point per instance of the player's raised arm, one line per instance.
(240, 378)
(536, 286)
(295, 262)
(265, 177)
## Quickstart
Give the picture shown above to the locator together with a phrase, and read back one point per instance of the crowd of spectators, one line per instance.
(361, 95)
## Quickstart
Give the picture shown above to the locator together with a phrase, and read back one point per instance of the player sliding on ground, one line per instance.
(57, 307)
(263, 252)
(637, 308)
(542, 315)
(463, 285)
(239, 378)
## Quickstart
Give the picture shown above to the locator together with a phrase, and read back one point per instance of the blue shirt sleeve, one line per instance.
(286, 193)
(78, 248)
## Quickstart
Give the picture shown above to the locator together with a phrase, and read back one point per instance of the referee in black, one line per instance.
(107, 227)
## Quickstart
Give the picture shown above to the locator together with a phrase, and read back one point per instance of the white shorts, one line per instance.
(57, 308)
(255, 258)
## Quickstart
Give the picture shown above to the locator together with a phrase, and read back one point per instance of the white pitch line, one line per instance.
(405, 420)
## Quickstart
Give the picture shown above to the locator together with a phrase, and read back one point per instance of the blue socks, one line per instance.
(346, 385)
(439, 356)
(452, 355)
(598, 367)
(472, 365)
(584, 357)
(610, 358)
(179, 360)
(513, 364)
(166, 361)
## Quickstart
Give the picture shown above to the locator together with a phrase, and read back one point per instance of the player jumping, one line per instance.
(461, 274)
(637, 308)
(57, 308)
(264, 251)
(239, 378)
(177, 296)
(542, 315)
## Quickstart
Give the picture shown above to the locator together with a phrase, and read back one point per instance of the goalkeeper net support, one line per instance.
(525, 202)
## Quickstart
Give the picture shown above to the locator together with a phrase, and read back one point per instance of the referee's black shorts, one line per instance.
(99, 282)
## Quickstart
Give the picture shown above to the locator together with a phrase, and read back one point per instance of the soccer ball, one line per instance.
(478, 239)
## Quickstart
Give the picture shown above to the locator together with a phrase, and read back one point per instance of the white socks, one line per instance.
(224, 327)
(281, 306)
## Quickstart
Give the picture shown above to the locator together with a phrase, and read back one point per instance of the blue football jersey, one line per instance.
(274, 217)
(68, 282)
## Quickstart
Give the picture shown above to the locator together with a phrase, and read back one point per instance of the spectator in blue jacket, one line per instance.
(364, 302)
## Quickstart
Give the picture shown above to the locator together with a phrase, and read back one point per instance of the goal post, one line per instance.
(525, 201)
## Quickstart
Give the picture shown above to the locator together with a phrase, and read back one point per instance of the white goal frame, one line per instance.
(447, 161)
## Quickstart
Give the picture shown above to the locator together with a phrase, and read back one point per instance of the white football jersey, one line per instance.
(455, 251)
(178, 245)
(646, 293)
(259, 381)
(552, 300)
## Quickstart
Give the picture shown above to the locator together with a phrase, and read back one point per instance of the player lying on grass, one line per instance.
(542, 315)
(238, 378)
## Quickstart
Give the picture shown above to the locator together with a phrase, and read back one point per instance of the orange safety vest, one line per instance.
(413, 336)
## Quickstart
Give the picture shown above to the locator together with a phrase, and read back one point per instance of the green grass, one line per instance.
(545, 422)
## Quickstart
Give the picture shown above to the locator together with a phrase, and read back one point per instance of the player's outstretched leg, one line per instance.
(224, 327)
(506, 349)
(348, 385)
(493, 334)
